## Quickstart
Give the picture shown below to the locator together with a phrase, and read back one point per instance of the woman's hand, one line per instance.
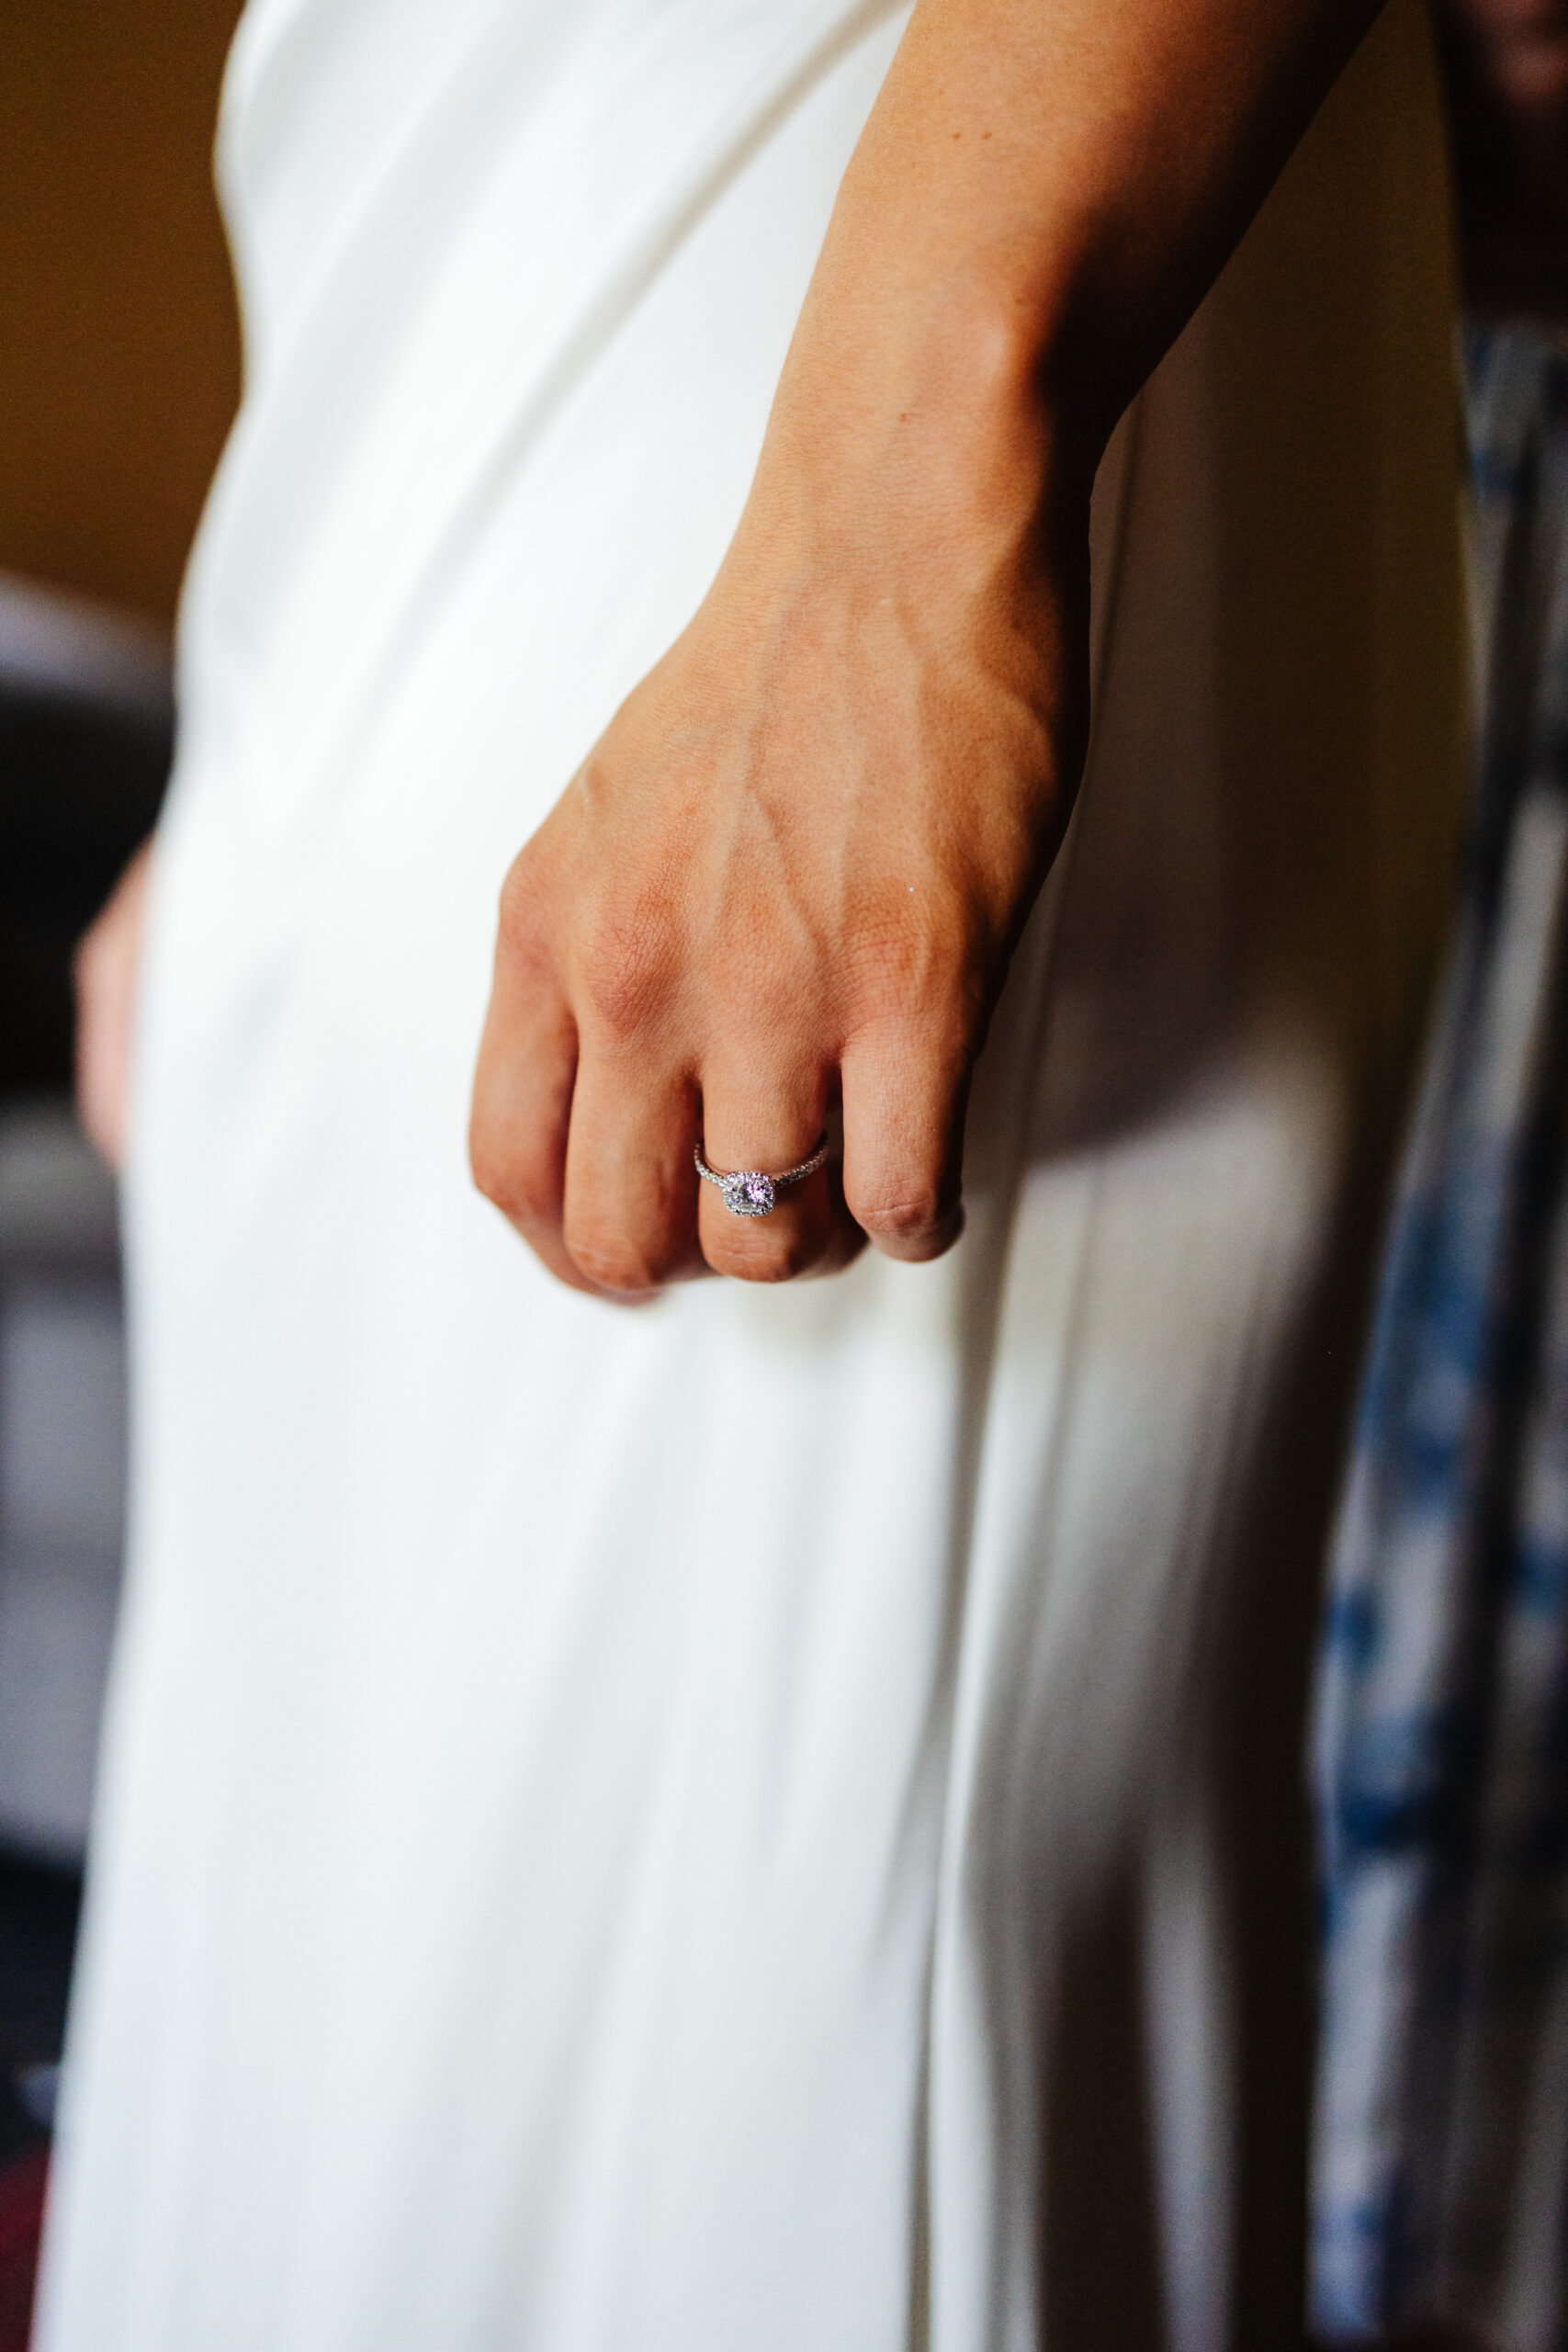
(104, 972)
(790, 875)
(788, 879)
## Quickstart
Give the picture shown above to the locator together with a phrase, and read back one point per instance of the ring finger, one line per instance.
(764, 1128)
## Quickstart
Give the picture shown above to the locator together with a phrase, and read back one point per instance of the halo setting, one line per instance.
(748, 1193)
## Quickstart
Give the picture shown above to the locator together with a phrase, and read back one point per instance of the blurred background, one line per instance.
(119, 347)
(118, 376)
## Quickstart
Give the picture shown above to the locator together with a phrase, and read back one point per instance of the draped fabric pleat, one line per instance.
(773, 1821)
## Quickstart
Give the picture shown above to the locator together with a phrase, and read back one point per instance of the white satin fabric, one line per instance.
(768, 1823)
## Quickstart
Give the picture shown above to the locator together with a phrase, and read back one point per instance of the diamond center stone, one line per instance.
(748, 1195)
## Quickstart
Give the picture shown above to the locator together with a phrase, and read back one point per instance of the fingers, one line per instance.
(583, 1132)
(770, 1124)
(592, 1163)
(904, 1106)
(594, 1167)
(630, 1211)
(522, 1104)
(105, 974)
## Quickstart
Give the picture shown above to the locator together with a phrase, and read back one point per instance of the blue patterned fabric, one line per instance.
(1440, 2167)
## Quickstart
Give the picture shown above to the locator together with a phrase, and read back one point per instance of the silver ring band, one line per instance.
(746, 1190)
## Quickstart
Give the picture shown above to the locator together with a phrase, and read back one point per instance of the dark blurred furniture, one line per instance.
(87, 720)
(86, 726)
(62, 1470)
(85, 736)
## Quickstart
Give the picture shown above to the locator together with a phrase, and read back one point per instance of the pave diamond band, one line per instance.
(748, 1191)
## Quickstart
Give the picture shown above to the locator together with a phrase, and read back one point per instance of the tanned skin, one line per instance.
(790, 875)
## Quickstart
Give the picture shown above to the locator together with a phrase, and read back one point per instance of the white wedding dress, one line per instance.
(769, 1824)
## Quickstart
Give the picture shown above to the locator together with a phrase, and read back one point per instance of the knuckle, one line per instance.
(525, 914)
(758, 958)
(762, 1257)
(506, 1177)
(905, 1219)
(593, 785)
(618, 1265)
(910, 955)
(920, 974)
(910, 1212)
(623, 970)
(487, 1163)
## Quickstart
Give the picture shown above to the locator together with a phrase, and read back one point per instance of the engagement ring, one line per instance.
(747, 1191)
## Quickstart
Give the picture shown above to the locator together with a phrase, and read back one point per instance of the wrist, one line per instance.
(922, 442)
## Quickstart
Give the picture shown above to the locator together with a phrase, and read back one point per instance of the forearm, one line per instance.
(793, 869)
(1042, 194)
